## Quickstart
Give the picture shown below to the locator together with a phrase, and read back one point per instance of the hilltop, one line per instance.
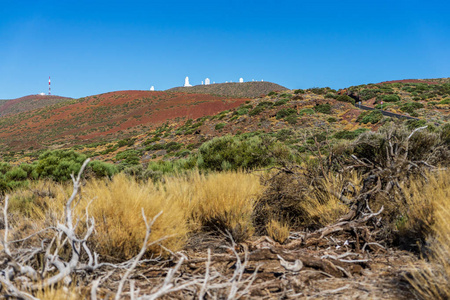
(106, 116)
(233, 89)
(28, 103)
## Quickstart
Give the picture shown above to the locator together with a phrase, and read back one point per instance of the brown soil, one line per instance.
(107, 115)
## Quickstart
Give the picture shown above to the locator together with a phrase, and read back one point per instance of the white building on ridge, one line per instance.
(186, 82)
(207, 81)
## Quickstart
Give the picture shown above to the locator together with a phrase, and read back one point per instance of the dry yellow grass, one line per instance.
(322, 205)
(58, 293)
(218, 201)
(430, 203)
(120, 228)
(278, 231)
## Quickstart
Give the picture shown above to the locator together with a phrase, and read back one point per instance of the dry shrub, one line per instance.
(35, 208)
(281, 200)
(294, 197)
(322, 205)
(278, 231)
(430, 211)
(218, 201)
(120, 228)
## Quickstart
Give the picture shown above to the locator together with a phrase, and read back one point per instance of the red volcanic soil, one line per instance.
(109, 115)
(29, 103)
(409, 81)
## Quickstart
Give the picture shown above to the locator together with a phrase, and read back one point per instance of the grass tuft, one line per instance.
(431, 206)
(278, 231)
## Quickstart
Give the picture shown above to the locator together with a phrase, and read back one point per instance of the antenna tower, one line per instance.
(49, 88)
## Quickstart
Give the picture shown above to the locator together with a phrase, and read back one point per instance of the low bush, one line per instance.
(126, 142)
(281, 102)
(256, 111)
(331, 120)
(58, 165)
(323, 108)
(282, 113)
(345, 98)
(101, 169)
(372, 117)
(220, 126)
(307, 111)
(389, 98)
(410, 107)
(330, 96)
(128, 157)
(236, 152)
(349, 135)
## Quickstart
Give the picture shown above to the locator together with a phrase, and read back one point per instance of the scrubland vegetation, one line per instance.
(244, 214)
(396, 174)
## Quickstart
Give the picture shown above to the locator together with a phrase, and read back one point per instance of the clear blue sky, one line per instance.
(91, 47)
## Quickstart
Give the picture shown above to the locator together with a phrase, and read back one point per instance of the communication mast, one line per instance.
(49, 88)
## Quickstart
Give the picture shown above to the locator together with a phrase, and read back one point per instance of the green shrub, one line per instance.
(239, 152)
(16, 174)
(281, 102)
(109, 149)
(155, 147)
(282, 113)
(373, 117)
(256, 111)
(307, 111)
(323, 108)
(220, 126)
(331, 119)
(330, 96)
(241, 111)
(299, 91)
(102, 169)
(320, 91)
(388, 98)
(173, 146)
(58, 165)
(291, 119)
(349, 135)
(345, 98)
(4, 167)
(410, 107)
(126, 142)
(272, 93)
(367, 94)
(445, 101)
(413, 124)
(128, 157)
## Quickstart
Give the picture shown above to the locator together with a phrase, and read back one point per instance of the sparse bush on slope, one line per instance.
(58, 165)
(235, 152)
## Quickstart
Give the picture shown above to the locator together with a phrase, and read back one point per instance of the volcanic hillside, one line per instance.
(28, 103)
(107, 116)
(233, 89)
